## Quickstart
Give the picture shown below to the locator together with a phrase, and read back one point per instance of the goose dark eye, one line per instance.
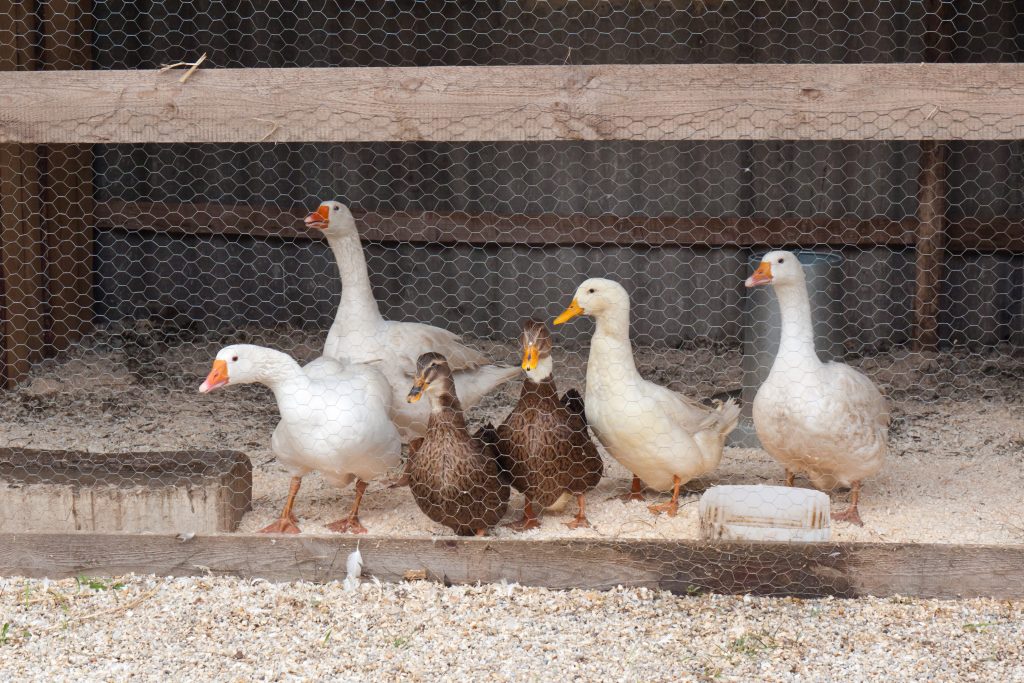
(590, 291)
(234, 359)
(781, 261)
(336, 208)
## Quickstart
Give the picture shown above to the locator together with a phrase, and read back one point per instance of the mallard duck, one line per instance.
(455, 478)
(334, 420)
(823, 419)
(360, 334)
(663, 438)
(544, 442)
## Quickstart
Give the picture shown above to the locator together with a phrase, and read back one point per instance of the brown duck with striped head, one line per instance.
(544, 442)
(454, 477)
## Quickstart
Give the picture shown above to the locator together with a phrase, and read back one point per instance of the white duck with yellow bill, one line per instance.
(334, 420)
(664, 438)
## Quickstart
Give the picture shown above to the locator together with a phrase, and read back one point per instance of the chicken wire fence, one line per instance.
(158, 256)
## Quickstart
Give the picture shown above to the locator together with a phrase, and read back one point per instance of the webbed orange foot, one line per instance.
(281, 526)
(671, 508)
(349, 525)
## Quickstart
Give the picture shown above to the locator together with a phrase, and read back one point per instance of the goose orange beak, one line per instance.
(416, 393)
(761, 276)
(530, 358)
(568, 314)
(319, 218)
(217, 378)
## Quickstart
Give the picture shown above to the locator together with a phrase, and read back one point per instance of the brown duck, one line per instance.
(544, 442)
(455, 478)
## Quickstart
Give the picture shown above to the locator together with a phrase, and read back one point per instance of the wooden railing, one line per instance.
(973, 234)
(45, 238)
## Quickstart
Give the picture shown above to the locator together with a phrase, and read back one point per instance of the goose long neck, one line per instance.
(283, 375)
(797, 341)
(357, 300)
(611, 339)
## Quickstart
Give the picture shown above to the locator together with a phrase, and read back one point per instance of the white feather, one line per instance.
(353, 569)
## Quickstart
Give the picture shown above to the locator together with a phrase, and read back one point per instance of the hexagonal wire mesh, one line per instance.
(156, 256)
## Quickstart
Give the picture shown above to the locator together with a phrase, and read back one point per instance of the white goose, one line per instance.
(360, 334)
(824, 419)
(663, 438)
(334, 420)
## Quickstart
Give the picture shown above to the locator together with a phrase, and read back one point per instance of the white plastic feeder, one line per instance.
(764, 513)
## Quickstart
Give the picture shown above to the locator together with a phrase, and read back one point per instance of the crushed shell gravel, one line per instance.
(225, 629)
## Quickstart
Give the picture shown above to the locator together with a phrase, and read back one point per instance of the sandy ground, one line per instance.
(955, 473)
(204, 629)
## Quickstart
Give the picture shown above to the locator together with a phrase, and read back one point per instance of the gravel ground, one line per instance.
(954, 475)
(203, 629)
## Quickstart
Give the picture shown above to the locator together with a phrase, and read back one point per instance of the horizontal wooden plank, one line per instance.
(813, 570)
(995, 234)
(489, 228)
(566, 102)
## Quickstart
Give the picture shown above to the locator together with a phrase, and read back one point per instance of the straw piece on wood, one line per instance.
(188, 74)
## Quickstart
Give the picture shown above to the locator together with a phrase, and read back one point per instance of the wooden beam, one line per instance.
(50, 491)
(967, 234)
(804, 570)
(21, 262)
(67, 187)
(21, 243)
(470, 103)
(489, 228)
(17, 29)
(985, 235)
(931, 237)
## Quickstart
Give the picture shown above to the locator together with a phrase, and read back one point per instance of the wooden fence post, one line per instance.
(931, 212)
(68, 207)
(21, 237)
(931, 243)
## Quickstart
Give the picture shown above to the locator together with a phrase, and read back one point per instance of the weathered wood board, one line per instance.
(685, 567)
(564, 102)
(488, 228)
(162, 492)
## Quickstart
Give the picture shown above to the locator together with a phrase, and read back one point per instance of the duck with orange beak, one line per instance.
(334, 420)
(360, 334)
(455, 478)
(544, 442)
(664, 438)
(825, 420)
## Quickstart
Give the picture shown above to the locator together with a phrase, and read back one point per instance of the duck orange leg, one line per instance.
(529, 520)
(581, 516)
(850, 514)
(790, 478)
(287, 522)
(351, 523)
(636, 491)
(672, 506)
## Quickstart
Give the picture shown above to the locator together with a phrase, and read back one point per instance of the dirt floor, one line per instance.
(954, 475)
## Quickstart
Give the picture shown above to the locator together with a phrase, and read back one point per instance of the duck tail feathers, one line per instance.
(728, 416)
